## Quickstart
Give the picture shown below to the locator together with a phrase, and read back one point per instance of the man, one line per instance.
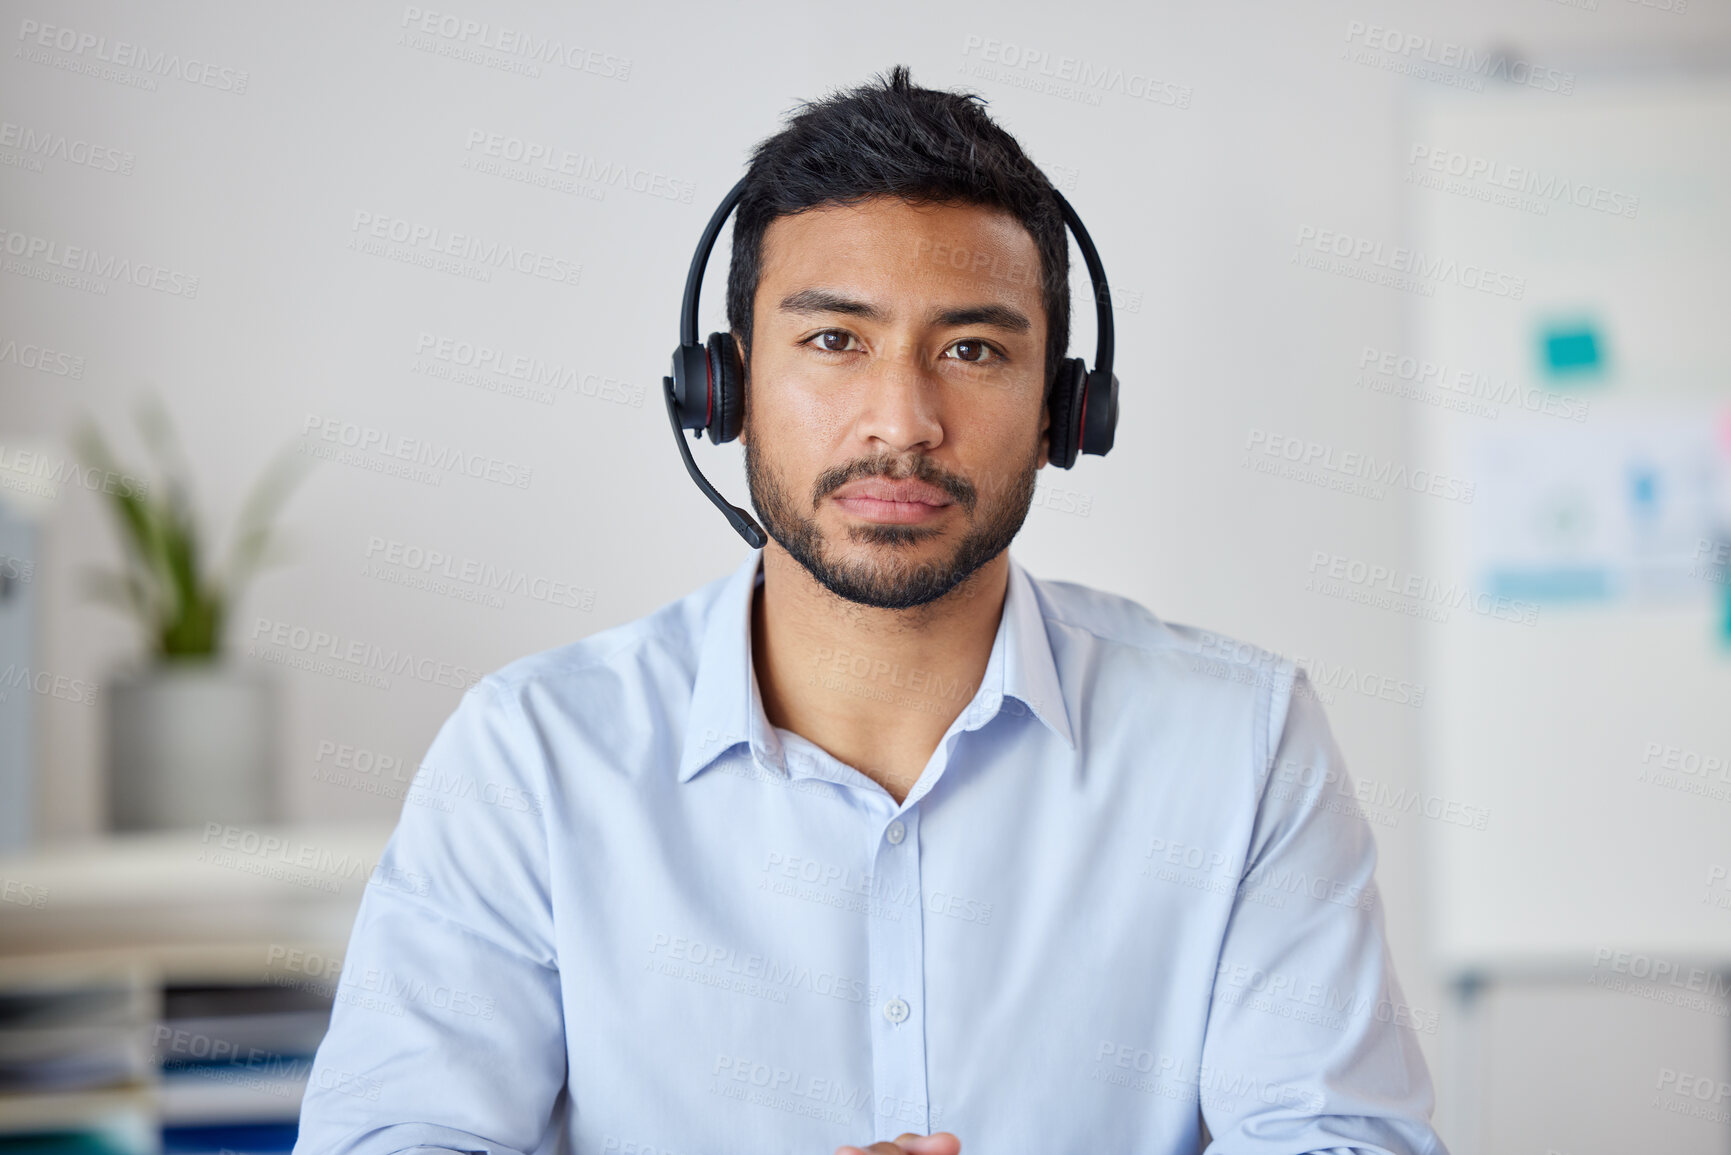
(883, 841)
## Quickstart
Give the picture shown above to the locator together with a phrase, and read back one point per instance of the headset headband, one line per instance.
(1104, 344)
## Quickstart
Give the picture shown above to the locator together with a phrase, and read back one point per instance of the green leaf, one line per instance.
(251, 546)
(164, 584)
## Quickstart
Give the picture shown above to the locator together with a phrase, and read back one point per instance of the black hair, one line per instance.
(891, 138)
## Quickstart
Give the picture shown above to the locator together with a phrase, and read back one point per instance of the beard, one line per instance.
(893, 583)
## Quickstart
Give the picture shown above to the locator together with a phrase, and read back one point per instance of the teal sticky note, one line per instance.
(1560, 583)
(1571, 351)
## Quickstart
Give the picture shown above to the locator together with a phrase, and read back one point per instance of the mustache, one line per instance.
(921, 468)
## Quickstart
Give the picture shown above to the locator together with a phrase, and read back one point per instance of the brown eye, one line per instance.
(972, 352)
(834, 341)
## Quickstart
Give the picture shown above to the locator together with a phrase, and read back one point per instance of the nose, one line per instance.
(901, 409)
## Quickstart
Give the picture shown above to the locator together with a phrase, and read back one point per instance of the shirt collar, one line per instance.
(727, 709)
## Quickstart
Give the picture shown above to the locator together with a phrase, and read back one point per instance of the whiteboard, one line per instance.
(1589, 726)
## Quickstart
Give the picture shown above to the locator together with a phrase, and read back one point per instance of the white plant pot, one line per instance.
(190, 742)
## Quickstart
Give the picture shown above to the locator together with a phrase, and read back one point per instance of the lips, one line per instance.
(908, 492)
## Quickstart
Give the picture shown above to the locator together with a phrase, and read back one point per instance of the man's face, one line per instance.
(895, 412)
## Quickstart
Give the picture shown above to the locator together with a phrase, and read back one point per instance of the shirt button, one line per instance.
(895, 1010)
(896, 833)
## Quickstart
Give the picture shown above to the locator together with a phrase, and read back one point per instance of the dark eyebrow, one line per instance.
(997, 316)
(825, 301)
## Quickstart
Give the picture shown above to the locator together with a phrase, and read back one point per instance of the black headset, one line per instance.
(707, 389)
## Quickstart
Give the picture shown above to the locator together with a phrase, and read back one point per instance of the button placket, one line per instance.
(897, 937)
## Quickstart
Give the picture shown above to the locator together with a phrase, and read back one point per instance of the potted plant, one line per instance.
(191, 733)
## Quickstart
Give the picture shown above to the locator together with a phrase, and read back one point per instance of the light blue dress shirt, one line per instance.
(1121, 903)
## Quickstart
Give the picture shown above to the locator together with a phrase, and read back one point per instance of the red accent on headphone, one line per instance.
(1082, 422)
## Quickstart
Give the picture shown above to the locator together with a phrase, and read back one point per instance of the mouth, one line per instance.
(897, 502)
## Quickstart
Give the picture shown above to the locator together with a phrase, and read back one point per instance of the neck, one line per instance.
(875, 688)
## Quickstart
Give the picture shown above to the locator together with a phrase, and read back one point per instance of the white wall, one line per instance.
(1196, 210)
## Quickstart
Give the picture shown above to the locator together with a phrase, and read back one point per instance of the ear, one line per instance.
(745, 379)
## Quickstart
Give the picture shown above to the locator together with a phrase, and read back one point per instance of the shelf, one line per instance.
(173, 913)
(170, 899)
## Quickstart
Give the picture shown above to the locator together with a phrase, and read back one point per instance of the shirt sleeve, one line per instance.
(447, 1031)
(1310, 1045)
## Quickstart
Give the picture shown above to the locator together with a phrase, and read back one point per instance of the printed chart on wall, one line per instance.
(1569, 359)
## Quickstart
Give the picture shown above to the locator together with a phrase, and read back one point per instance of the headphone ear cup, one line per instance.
(1099, 413)
(728, 376)
(1066, 409)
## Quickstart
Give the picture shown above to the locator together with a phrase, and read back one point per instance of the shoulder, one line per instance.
(1118, 639)
(1117, 621)
(613, 667)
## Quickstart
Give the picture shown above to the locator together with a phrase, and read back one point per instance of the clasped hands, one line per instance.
(908, 1143)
